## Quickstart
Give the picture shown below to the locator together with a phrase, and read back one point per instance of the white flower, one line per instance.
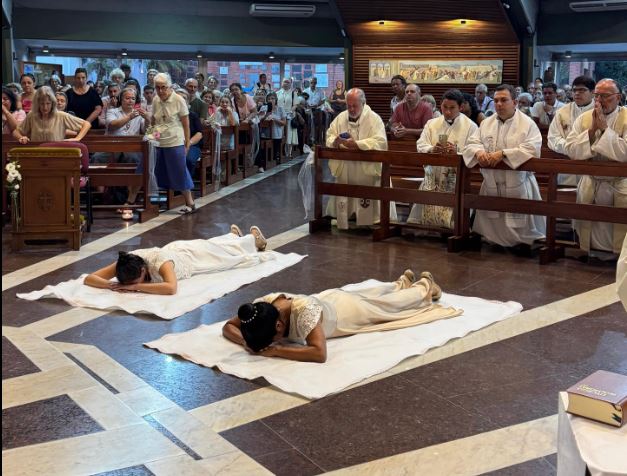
(13, 174)
(10, 167)
(18, 176)
(10, 178)
(17, 186)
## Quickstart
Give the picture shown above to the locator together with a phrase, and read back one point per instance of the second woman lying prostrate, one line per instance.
(311, 320)
(158, 270)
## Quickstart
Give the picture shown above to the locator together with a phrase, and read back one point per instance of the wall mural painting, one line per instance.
(437, 71)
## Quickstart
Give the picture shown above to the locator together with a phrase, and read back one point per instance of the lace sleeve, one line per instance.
(308, 318)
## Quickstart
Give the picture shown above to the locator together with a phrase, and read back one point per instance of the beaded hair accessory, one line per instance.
(252, 318)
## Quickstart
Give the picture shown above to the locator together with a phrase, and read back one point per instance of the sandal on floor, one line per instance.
(236, 230)
(260, 240)
(188, 210)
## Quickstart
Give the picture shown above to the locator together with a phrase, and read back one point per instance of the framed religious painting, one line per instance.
(381, 71)
(452, 71)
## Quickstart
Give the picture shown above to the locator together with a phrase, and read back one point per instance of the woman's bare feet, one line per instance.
(260, 240)
(436, 291)
(236, 230)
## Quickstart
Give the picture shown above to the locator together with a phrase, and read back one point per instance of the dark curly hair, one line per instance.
(258, 324)
(129, 267)
(12, 98)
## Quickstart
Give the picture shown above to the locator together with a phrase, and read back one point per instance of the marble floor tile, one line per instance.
(256, 439)
(105, 408)
(197, 436)
(45, 420)
(14, 362)
(477, 454)
(373, 421)
(91, 454)
(42, 354)
(288, 463)
(145, 400)
(237, 464)
(42, 385)
(535, 467)
(139, 470)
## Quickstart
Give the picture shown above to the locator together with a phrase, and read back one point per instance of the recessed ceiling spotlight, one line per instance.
(506, 6)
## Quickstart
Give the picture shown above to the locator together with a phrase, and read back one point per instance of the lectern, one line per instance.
(49, 196)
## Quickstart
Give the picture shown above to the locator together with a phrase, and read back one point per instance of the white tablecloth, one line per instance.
(582, 442)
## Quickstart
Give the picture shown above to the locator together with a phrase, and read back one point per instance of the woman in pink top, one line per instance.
(243, 104)
(209, 99)
(11, 115)
(27, 81)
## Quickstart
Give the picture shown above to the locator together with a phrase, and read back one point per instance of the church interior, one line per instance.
(83, 394)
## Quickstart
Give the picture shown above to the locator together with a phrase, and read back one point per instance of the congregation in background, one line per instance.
(583, 121)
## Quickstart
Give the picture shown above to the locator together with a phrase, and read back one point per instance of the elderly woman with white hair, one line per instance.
(170, 118)
(46, 124)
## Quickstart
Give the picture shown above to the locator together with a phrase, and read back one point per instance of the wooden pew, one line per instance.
(392, 161)
(552, 206)
(112, 174)
(247, 169)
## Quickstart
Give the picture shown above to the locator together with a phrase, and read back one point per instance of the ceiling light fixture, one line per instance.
(506, 6)
(568, 54)
(199, 55)
(463, 22)
(381, 22)
(45, 49)
(124, 52)
(271, 55)
(342, 56)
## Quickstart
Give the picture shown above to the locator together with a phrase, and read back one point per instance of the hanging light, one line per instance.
(45, 49)
(199, 55)
(124, 52)
(271, 55)
(568, 54)
(342, 56)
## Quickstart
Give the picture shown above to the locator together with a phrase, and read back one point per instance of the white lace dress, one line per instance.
(192, 257)
(364, 307)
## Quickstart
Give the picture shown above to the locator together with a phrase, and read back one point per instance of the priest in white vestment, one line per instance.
(447, 134)
(562, 123)
(512, 137)
(601, 135)
(357, 128)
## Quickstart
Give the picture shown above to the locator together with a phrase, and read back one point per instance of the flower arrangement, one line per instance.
(212, 122)
(14, 178)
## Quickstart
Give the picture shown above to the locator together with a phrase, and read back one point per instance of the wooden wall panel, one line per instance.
(378, 95)
(427, 21)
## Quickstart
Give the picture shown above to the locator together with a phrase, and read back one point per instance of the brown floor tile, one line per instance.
(369, 422)
(14, 363)
(256, 439)
(46, 420)
(130, 471)
(289, 463)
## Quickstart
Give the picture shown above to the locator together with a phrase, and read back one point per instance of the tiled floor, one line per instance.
(82, 395)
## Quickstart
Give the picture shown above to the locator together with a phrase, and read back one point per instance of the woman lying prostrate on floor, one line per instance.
(157, 270)
(311, 320)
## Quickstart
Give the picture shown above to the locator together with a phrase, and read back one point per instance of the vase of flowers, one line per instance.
(14, 178)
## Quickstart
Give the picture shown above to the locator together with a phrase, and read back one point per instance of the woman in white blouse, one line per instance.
(310, 320)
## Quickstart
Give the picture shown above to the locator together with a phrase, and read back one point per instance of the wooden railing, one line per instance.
(466, 197)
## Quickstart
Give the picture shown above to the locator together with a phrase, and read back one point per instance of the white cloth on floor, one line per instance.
(191, 293)
(349, 359)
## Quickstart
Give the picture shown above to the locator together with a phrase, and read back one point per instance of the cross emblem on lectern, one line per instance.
(45, 200)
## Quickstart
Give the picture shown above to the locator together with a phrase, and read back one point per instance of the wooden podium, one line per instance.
(49, 205)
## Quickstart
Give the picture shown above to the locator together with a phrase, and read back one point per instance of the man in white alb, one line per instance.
(512, 137)
(565, 117)
(357, 128)
(601, 135)
(449, 134)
